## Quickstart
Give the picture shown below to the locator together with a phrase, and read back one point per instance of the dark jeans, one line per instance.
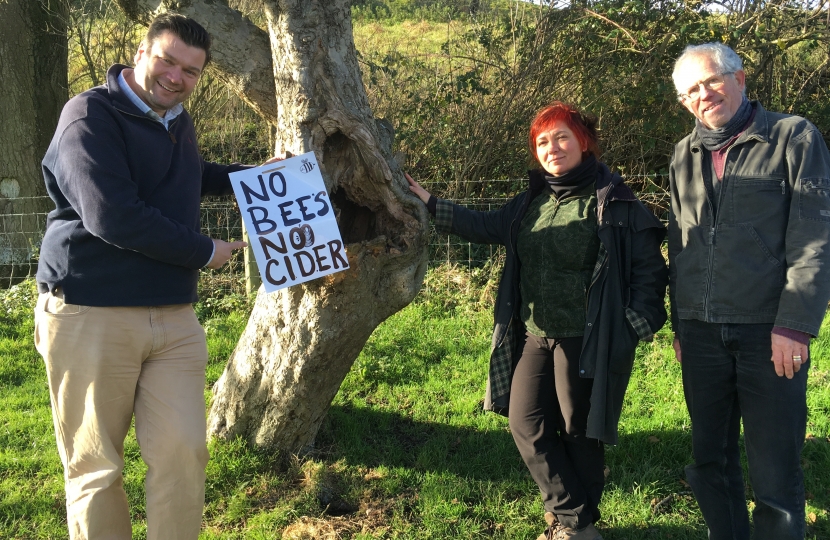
(549, 406)
(728, 376)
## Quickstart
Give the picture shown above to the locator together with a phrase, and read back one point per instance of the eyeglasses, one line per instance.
(715, 82)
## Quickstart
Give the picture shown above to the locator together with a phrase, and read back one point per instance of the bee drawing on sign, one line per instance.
(307, 166)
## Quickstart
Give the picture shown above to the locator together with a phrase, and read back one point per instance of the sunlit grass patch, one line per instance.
(405, 451)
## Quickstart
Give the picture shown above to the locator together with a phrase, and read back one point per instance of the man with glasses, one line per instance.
(749, 284)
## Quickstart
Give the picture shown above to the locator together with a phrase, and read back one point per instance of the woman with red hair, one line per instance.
(583, 282)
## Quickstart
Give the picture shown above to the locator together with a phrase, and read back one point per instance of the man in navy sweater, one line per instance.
(118, 270)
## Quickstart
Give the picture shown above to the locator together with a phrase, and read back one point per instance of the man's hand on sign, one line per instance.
(277, 158)
(223, 251)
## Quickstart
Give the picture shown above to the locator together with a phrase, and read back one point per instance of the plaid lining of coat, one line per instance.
(443, 215)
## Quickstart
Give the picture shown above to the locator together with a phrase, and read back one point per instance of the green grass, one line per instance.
(409, 38)
(405, 452)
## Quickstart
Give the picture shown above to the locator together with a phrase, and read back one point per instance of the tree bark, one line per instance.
(300, 342)
(34, 89)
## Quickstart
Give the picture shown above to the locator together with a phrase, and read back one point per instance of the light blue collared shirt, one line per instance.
(168, 117)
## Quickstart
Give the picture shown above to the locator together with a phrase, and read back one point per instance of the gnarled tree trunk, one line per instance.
(33, 86)
(300, 342)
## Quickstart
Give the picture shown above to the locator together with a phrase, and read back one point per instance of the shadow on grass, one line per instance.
(648, 465)
(671, 532)
(816, 531)
(372, 438)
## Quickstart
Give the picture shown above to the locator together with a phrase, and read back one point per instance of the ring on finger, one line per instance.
(797, 358)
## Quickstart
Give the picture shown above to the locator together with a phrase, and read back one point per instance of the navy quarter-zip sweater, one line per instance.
(125, 228)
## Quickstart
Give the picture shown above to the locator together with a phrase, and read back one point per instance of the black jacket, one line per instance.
(629, 285)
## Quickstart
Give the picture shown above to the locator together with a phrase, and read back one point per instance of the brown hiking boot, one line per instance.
(588, 533)
(553, 526)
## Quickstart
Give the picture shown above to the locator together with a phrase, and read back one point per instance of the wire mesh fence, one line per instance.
(22, 231)
(22, 222)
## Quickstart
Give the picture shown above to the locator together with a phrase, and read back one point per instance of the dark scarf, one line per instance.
(715, 139)
(574, 180)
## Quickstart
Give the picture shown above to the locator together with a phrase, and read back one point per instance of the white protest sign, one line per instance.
(290, 222)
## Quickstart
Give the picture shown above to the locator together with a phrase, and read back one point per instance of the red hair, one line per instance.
(584, 126)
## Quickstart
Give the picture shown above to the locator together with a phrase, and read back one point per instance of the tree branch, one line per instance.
(612, 23)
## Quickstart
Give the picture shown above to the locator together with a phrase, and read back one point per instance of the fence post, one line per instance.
(252, 277)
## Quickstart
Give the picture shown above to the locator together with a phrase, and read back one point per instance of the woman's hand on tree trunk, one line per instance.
(416, 188)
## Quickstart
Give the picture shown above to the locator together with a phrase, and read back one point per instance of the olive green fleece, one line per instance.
(557, 247)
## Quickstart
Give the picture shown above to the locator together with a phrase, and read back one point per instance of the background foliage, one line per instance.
(461, 79)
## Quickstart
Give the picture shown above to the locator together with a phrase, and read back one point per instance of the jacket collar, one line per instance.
(757, 130)
(120, 100)
(610, 186)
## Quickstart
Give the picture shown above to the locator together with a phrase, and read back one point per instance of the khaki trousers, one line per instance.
(106, 364)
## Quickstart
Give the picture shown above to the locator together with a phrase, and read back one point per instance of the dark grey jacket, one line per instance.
(625, 299)
(765, 257)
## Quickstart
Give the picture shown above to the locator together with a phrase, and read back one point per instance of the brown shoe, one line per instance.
(588, 533)
(553, 526)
